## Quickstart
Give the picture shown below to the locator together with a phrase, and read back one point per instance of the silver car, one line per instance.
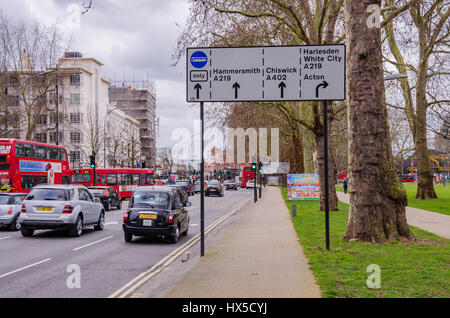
(61, 207)
(10, 204)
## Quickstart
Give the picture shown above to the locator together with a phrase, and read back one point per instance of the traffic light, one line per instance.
(92, 157)
(254, 166)
(144, 164)
(260, 167)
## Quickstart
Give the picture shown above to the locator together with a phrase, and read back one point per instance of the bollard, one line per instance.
(294, 211)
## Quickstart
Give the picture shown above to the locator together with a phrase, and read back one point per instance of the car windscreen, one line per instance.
(5, 199)
(154, 199)
(50, 194)
(213, 184)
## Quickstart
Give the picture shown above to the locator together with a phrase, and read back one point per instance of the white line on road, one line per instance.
(113, 222)
(25, 267)
(103, 239)
(4, 238)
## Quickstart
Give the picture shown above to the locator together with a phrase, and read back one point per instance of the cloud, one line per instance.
(134, 38)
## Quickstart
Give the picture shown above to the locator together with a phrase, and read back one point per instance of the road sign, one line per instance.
(270, 73)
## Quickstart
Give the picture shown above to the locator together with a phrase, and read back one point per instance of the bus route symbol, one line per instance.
(199, 59)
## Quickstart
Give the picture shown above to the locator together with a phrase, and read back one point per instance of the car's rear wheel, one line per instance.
(26, 231)
(128, 236)
(174, 238)
(101, 222)
(76, 229)
(120, 205)
(108, 206)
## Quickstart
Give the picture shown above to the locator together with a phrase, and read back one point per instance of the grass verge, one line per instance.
(418, 269)
(440, 205)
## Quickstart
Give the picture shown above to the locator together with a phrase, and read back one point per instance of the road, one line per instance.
(38, 266)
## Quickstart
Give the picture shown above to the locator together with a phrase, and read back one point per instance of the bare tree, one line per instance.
(27, 53)
(94, 136)
(424, 37)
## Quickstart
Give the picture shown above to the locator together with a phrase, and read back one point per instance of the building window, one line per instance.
(76, 79)
(40, 137)
(53, 118)
(75, 99)
(52, 137)
(75, 156)
(76, 118)
(75, 137)
(42, 120)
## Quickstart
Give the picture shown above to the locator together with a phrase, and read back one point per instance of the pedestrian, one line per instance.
(345, 184)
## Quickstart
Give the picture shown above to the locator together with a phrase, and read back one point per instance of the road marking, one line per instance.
(139, 280)
(4, 238)
(25, 267)
(103, 239)
(112, 222)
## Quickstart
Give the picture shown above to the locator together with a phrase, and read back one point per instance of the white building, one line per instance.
(83, 106)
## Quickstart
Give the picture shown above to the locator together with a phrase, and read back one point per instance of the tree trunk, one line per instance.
(377, 197)
(425, 186)
(320, 158)
(297, 153)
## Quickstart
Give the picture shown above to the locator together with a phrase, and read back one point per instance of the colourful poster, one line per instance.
(303, 187)
(273, 180)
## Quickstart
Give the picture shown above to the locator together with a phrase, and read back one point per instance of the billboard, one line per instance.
(273, 180)
(303, 187)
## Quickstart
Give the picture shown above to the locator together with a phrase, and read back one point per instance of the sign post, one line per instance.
(267, 73)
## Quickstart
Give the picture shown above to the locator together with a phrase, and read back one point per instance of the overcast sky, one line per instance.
(135, 38)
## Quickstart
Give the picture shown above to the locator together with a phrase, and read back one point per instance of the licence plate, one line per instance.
(45, 209)
(147, 222)
(148, 216)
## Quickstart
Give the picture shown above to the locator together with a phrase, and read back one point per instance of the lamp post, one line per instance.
(21, 83)
(104, 134)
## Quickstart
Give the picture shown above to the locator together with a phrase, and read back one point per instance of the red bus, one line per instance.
(24, 164)
(247, 173)
(408, 177)
(123, 180)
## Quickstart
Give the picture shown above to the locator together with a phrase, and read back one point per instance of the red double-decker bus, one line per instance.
(123, 180)
(247, 173)
(24, 164)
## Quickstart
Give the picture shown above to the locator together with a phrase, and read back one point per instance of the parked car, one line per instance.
(214, 187)
(108, 196)
(156, 211)
(188, 186)
(10, 207)
(230, 184)
(61, 207)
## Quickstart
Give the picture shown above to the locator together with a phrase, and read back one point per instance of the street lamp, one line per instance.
(104, 134)
(394, 76)
(21, 83)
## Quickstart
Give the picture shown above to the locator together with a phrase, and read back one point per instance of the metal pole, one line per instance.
(325, 146)
(202, 188)
(57, 111)
(254, 186)
(260, 189)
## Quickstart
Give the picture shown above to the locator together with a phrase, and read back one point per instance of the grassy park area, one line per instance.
(441, 205)
(416, 269)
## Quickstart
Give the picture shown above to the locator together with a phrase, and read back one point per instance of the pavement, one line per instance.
(259, 256)
(436, 223)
